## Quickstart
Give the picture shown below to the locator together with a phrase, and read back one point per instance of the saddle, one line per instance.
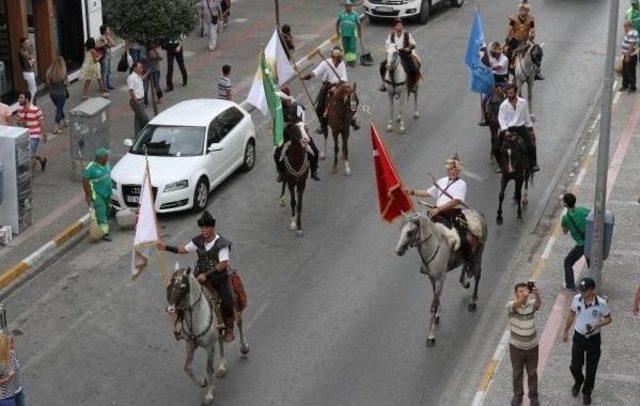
(239, 297)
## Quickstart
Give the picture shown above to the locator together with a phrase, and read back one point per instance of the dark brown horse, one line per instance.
(513, 159)
(343, 106)
(296, 164)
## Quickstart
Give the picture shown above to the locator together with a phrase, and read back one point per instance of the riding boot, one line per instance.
(279, 164)
(538, 77)
(533, 158)
(228, 331)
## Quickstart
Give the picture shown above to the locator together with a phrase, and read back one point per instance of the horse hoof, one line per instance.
(472, 307)
(293, 226)
(431, 342)
(389, 127)
(416, 115)
(221, 372)
(347, 172)
(401, 130)
(207, 401)
(244, 349)
(203, 382)
(466, 285)
(525, 202)
(281, 202)
(499, 221)
(299, 233)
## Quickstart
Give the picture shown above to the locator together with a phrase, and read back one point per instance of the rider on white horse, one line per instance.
(293, 113)
(514, 117)
(406, 45)
(450, 193)
(212, 267)
(521, 31)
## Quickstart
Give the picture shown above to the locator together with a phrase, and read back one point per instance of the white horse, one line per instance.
(527, 65)
(395, 80)
(198, 328)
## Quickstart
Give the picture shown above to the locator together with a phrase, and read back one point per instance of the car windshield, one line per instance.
(169, 141)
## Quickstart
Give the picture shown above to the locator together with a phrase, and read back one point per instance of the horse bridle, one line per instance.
(418, 240)
(305, 160)
(193, 337)
(391, 69)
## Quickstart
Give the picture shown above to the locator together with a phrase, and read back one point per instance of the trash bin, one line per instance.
(608, 233)
(89, 130)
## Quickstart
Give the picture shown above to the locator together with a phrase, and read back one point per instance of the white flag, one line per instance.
(146, 228)
(279, 63)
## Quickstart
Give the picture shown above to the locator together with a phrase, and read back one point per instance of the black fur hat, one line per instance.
(206, 220)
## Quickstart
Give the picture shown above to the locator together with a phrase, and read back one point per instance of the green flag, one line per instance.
(273, 101)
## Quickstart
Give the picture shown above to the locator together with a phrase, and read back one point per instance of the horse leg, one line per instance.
(292, 194)
(416, 113)
(503, 186)
(477, 272)
(323, 152)
(300, 190)
(400, 119)
(244, 347)
(188, 365)
(336, 149)
(525, 197)
(464, 277)
(391, 109)
(518, 198)
(435, 309)
(281, 198)
(211, 355)
(345, 152)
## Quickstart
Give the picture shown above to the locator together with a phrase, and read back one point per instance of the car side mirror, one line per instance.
(214, 148)
(128, 142)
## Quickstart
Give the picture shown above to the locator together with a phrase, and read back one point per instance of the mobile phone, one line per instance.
(531, 284)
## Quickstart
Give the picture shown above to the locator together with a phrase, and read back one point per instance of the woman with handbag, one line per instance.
(57, 83)
(91, 69)
(210, 11)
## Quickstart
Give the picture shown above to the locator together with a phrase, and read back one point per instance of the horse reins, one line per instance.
(194, 337)
(417, 241)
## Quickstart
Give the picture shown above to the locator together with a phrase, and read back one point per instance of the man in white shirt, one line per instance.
(135, 85)
(406, 45)
(212, 266)
(514, 118)
(332, 73)
(499, 63)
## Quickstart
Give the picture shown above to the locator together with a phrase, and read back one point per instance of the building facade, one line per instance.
(55, 27)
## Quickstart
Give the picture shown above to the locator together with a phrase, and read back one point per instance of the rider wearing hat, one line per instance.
(293, 113)
(405, 43)
(212, 266)
(450, 193)
(332, 73)
(348, 28)
(521, 31)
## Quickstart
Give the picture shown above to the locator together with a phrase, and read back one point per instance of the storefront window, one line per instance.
(6, 76)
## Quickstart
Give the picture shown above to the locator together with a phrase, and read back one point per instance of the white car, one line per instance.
(192, 147)
(392, 9)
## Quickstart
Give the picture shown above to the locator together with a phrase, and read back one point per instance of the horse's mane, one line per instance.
(343, 90)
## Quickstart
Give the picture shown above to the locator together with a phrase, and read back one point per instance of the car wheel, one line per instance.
(201, 195)
(457, 3)
(249, 156)
(425, 11)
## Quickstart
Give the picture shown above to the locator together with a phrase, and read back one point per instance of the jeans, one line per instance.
(8, 401)
(521, 359)
(21, 398)
(33, 145)
(629, 72)
(154, 80)
(59, 101)
(105, 69)
(591, 348)
(569, 261)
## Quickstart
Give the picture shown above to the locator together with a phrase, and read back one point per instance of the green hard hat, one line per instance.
(101, 152)
(350, 2)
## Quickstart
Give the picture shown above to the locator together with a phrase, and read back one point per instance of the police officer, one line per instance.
(212, 266)
(590, 313)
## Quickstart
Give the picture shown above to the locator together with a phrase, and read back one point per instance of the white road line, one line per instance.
(548, 248)
(592, 151)
(581, 175)
(616, 97)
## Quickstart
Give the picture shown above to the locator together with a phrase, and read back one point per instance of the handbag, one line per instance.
(618, 65)
(214, 17)
(122, 63)
(66, 92)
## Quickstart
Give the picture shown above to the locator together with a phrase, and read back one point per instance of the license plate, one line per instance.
(384, 9)
(132, 199)
(135, 190)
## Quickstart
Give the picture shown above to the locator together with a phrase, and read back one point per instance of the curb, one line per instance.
(43, 252)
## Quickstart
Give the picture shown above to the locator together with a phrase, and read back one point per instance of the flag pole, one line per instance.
(299, 76)
(162, 258)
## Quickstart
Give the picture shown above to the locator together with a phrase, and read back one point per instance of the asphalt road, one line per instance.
(335, 318)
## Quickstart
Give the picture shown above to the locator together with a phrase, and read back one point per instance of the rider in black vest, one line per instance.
(404, 52)
(212, 266)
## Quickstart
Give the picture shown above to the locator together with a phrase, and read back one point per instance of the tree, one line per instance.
(150, 21)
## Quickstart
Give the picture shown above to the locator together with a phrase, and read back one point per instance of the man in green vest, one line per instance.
(573, 222)
(97, 188)
(633, 14)
(348, 27)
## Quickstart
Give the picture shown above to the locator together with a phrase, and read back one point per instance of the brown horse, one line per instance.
(343, 106)
(296, 163)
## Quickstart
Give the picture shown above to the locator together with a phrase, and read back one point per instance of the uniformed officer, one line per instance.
(96, 184)
(212, 266)
(590, 313)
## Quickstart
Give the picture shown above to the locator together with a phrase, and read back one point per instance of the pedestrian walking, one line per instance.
(96, 184)
(175, 50)
(629, 49)
(590, 313)
(523, 347)
(91, 69)
(5, 114)
(57, 82)
(287, 40)
(348, 27)
(224, 84)
(11, 390)
(153, 67)
(30, 117)
(28, 66)
(136, 96)
(210, 12)
(574, 221)
(225, 6)
(134, 49)
(21, 398)
(104, 43)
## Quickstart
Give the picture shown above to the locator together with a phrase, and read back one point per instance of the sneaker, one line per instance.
(575, 389)
(623, 88)
(168, 89)
(586, 398)
(516, 401)
(111, 87)
(43, 163)
(498, 169)
(538, 77)
(319, 130)
(315, 177)
(536, 168)
(106, 237)
(631, 91)
(383, 88)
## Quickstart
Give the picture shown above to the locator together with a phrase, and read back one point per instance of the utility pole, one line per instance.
(278, 14)
(600, 204)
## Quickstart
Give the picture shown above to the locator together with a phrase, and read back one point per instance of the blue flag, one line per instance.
(480, 76)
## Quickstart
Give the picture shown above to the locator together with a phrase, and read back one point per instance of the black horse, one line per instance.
(296, 170)
(513, 158)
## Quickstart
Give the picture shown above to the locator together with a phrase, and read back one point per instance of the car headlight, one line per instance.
(114, 185)
(182, 184)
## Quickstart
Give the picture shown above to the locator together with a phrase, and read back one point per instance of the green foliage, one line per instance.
(150, 21)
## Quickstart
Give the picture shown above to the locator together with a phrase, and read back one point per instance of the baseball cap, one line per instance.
(586, 284)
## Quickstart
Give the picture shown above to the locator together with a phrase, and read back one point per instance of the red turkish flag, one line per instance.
(391, 195)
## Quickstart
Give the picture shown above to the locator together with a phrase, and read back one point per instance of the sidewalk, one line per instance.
(618, 376)
(58, 200)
